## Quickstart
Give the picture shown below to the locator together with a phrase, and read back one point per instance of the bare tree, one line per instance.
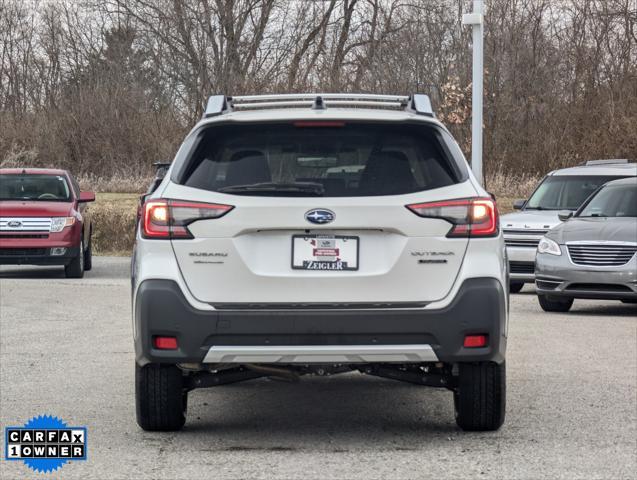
(107, 86)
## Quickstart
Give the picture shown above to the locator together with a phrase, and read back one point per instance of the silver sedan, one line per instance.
(593, 253)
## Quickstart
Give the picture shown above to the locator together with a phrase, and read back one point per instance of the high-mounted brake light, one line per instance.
(470, 217)
(319, 123)
(163, 219)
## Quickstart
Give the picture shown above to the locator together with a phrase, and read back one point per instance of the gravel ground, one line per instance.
(66, 350)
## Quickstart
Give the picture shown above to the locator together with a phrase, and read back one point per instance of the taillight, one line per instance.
(470, 217)
(170, 218)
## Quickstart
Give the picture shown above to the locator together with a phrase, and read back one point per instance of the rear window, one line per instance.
(34, 187)
(330, 160)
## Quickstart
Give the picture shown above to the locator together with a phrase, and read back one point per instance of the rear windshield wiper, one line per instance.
(308, 188)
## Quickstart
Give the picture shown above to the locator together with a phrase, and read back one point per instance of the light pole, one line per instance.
(475, 19)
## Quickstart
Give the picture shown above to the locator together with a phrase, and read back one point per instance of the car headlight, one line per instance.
(549, 246)
(58, 223)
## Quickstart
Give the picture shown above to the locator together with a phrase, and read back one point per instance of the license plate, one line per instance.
(324, 252)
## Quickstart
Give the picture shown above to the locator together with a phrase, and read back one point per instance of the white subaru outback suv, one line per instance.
(319, 234)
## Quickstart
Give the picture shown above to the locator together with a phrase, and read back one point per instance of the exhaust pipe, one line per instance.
(282, 373)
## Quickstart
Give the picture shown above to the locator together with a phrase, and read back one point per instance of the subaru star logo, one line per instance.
(14, 224)
(320, 216)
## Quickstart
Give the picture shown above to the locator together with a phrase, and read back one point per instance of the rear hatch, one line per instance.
(319, 214)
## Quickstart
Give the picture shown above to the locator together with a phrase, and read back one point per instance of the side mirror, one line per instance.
(519, 204)
(564, 215)
(86, 197)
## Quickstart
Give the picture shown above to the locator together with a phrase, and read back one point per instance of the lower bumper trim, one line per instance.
(321, 354)
(588, 294)
(37, 256)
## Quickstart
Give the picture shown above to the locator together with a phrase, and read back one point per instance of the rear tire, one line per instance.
(160, 398)
(88, 255)
(75, 269)
(515, 287)
(555, 304)
(480, 400)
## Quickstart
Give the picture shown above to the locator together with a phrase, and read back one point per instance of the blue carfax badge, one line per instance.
(45, 443)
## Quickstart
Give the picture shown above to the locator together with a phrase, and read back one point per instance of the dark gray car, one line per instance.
(591, 254)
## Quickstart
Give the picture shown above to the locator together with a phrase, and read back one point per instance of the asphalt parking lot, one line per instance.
(66, 350)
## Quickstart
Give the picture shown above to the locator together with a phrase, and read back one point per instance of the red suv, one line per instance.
(44, 220)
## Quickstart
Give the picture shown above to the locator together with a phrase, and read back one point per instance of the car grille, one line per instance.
(522, 267)
(523, 238)
(25, 224)
(23, 252)
(522, 242)
(601, 255)
(525, 231)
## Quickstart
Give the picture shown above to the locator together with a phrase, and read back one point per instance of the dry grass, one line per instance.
(508, 188)
(114, 214)
(512, 186)
(118, 183)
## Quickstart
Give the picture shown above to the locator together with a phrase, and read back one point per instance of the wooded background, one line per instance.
(107, 87)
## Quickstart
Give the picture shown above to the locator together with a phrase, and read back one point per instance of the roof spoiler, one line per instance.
(220, 104)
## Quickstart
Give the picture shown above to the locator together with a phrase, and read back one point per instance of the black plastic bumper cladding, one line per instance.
(162, 310)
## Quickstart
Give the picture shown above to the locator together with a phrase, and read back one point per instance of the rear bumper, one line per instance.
(36, 256)
(320, 335)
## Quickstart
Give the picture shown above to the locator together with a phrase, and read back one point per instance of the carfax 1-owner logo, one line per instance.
(45, 443)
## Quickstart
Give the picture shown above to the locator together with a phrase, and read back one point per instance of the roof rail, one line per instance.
(609, 161)
(219, 104)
